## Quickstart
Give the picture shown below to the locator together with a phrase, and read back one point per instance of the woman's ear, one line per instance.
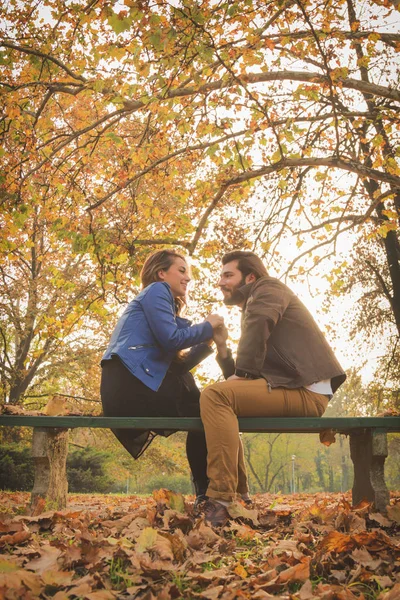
(161, 275)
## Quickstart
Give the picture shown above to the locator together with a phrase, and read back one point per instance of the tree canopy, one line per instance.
(204, 125)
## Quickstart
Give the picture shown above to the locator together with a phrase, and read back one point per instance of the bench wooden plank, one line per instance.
(246, 424)
(368, 445)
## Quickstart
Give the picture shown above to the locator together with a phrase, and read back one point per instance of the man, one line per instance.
(284, 367)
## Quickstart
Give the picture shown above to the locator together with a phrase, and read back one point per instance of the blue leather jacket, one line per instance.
(149, 334)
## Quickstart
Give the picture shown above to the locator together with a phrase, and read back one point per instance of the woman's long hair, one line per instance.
(160, 261)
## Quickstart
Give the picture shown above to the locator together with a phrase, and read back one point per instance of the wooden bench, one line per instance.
(368, 446)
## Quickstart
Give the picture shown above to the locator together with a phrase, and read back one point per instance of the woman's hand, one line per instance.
(215, 321)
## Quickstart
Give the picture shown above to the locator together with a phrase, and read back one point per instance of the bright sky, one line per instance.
(313, 298)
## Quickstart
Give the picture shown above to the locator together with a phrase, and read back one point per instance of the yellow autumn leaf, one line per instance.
(241, 571)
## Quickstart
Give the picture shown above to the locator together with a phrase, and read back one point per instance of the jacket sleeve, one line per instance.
(227, 365)
(193, 358)
(158, 308)
(264, 309)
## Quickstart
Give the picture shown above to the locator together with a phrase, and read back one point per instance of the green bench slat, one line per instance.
(246, 424)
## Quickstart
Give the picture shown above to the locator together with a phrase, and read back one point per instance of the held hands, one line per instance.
(220, 334)
(215, 321)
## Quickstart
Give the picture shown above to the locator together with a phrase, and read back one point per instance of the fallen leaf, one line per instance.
(262, 595)
(215, 575)
(71, 556)
(335, 592)
(47, 560)
(381, 519)
(61, 595)
(37, 506)
(393, 594)
(350, 522)
(327, 437)
(169, 498)
(306, 591)
(150, 539)
(237, 510)
(8, 409)
(212, 593)
(241, 571)
(336, 542)
(362, 556)
(16, 579)
(288, 547)
(8, 566)
(17, 538)
(58, 578)
(101, 595)
(178, 543)
(243, 532)
(384, 581)
(340, 576)
(202, 535)
(81, 590)
(394, 512)
(297, 573)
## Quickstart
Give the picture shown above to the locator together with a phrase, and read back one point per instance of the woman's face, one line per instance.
(177, 277)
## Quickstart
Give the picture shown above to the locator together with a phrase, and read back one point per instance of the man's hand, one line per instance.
(220, 335)
(235, 377)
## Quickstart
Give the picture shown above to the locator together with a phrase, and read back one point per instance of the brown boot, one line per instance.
(215, 514)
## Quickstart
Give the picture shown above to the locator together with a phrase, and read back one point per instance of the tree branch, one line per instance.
(332, 162)
(56, 61)
(254, 78)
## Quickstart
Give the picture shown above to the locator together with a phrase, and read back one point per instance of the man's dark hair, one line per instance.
(248, 262)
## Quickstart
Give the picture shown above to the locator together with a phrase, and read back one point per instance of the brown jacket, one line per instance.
(280, 340)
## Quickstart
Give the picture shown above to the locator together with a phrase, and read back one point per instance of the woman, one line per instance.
(144, 373)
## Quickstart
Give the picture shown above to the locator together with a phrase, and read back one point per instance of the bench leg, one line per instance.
(49, 452)
(368, 451)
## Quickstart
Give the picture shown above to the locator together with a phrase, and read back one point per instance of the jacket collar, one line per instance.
(243, 293)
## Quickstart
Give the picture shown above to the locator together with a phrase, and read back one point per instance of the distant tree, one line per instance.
(351, 399)
(87, 471)
(16, 468)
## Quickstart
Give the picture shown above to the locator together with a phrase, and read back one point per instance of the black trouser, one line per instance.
(124, 395)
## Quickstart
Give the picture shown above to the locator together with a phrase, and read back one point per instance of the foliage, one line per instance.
(315, 468)
(294, 546)
(365, 283)
(178, 483)
(199, 125)
(87, 471)
(53, 317)
(351, 399)
(16, 468)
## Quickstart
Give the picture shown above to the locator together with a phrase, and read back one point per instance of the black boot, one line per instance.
(196, 450)
(201, 497)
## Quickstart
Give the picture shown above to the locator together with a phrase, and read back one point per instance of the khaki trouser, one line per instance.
(222, 403)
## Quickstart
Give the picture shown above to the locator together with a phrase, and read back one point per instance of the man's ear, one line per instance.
(250, 278)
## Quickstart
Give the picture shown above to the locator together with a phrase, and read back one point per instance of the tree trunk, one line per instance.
(320, 473)
(49, 452)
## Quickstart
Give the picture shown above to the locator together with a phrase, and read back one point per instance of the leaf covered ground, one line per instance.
(296, 547)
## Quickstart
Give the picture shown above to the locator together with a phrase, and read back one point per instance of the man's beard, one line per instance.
(235, 296)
